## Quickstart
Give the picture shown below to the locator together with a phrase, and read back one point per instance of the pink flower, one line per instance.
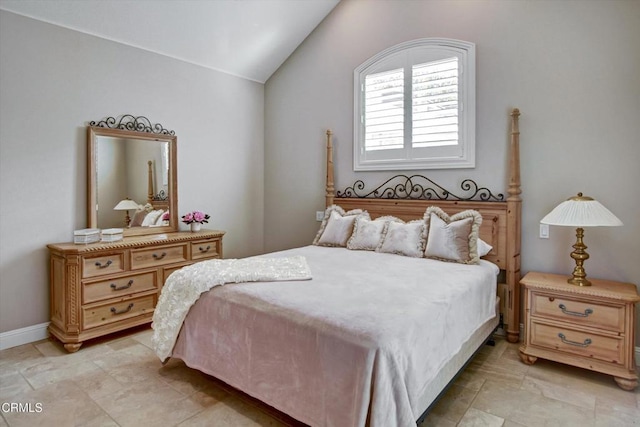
(165, 216)
(198, 216)
(188, 218)
(195, 216)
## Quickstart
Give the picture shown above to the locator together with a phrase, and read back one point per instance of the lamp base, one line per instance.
(580, 255)
(579, 281)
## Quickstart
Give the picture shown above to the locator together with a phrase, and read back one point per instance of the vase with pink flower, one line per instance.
(195, 219)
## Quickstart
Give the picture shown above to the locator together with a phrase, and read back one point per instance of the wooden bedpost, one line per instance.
(514, 213)
(150, 182)
(330, 189)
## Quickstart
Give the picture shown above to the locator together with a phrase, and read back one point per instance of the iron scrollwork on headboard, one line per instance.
(418, 187)
(130, 122)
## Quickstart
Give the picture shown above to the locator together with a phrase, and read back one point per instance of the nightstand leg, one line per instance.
(526, 359)
(626, 384)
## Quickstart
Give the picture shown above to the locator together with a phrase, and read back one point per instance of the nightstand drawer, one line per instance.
(118, 311)
(578, 312)
(586, 344)
(205, 249)
(117, 287)
(146, 258)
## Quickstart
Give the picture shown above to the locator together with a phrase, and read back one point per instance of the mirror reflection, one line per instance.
(131, 180)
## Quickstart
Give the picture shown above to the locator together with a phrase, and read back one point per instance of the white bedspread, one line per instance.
(359, 343)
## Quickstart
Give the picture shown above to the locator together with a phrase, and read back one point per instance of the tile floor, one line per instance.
(120, 382)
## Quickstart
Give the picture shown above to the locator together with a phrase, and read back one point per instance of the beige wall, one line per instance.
(572, 67)
(53, 81)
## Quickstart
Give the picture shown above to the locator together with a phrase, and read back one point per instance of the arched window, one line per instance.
(415, 107)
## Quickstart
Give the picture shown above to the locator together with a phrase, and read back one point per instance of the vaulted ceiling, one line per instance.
(246, 38)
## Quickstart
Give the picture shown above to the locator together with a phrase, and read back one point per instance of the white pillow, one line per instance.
(337, 226)
(404, 238)
(367, 234)
(452, 238)
(151, 218)
(483, 248)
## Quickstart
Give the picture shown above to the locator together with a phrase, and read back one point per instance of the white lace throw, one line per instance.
(183, 288)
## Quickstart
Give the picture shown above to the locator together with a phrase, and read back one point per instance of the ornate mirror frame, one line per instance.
(130, 127)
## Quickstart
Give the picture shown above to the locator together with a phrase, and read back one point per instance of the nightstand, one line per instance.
(590, 327)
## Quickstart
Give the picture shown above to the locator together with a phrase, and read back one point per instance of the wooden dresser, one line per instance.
(590, 327)
(100, 288)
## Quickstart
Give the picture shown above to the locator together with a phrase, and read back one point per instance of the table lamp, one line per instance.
(580, 211)
(126, 205)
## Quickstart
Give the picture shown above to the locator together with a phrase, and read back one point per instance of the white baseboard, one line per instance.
(23, 336)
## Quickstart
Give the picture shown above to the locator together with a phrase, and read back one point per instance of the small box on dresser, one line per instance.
(591, 327)
(101, 288)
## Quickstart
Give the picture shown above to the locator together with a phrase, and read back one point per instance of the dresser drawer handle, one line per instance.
(564, 339)
(100, 265)
(204, 249)
(586, 313)
(159, 257)
(126, 310)
(127, 286)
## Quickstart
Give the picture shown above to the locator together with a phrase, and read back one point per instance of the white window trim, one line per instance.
(467, 113)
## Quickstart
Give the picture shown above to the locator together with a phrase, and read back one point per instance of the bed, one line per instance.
(372, 339)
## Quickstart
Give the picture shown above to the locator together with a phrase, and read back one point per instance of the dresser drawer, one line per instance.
(581, 343)
(578, 312)
(99, 315)
(163, 255)
(101, 265)
(205, 249)
(126, 285)
(166, 272)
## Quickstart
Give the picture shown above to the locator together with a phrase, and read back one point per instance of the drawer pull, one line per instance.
(564, 339)
(586, 313)
(127, 286)
(100, 265)
(205, 249)
(159, 257)
(126, 310)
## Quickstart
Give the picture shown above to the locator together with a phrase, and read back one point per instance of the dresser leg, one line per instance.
(72, 347)
(526, 359)
(626, 384)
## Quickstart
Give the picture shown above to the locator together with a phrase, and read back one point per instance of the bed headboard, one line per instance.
(407, 197)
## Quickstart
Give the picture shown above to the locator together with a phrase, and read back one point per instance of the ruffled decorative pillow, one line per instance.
(337, 226)
(452, 238)
(403, 238)
(367, 234)
(138, 217)
(151, 218)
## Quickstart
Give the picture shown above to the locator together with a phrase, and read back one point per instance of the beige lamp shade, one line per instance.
(125, 205)
(580, 211)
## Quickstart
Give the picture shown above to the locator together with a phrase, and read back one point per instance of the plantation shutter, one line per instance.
(435, 103)
(384, 110)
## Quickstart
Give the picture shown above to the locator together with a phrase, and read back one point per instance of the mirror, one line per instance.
(131, 179)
